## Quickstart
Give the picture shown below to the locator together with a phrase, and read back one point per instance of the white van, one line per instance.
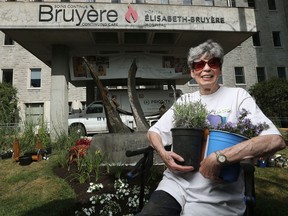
(93, 120)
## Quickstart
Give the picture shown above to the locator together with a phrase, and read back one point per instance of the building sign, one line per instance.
(129, 16)
(89, 15)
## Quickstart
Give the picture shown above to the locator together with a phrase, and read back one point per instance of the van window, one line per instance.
(95, 108)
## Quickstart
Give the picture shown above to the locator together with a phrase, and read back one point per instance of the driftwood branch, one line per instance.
(114, 122)
(137, 111)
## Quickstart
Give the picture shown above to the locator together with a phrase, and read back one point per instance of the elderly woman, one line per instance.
(184, 192)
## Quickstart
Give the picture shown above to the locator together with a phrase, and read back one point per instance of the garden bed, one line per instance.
(108, 180)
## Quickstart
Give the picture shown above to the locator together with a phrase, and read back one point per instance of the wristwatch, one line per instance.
(221, 158)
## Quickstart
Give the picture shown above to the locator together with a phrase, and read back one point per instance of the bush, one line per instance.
(272, 98)
(8, 105)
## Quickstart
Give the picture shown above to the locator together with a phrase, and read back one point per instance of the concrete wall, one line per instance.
(114, 146)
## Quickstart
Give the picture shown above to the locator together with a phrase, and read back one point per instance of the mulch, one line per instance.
(107, 179)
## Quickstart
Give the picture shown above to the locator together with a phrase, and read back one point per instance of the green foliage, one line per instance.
(272, 97)
(7, 136)
(43, 134)
(62, 145)
(190, 114)
(28, 138)
(8, 105)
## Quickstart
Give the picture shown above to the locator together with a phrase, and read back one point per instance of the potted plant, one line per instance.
(190, 120)
(226, 134)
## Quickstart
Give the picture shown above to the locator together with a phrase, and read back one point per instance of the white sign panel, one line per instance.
(124, 16)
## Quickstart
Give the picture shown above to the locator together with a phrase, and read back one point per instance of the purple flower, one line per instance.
(242, 126)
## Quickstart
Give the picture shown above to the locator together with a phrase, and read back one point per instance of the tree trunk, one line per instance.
(137, 111)
(114, 122)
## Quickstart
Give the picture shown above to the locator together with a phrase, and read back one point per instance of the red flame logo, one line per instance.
(131, 13)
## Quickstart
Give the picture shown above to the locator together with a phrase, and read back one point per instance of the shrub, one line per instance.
(272, 97)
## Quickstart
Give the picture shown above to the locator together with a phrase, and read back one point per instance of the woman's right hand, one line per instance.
(170, 158)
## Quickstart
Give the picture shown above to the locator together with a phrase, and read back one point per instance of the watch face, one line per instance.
(222, 158)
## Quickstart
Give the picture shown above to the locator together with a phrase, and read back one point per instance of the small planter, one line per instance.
(219, 140)
(187, 142)
(25, 160)
(6, 155)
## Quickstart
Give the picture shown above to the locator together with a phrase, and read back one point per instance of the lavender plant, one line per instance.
(243, 126)
(190, 114)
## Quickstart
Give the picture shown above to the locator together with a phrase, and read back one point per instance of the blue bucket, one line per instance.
(219, 140)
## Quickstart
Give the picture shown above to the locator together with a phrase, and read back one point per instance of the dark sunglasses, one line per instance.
(213, 63)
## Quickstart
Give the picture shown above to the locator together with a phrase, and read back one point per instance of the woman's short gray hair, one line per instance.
(209, 48)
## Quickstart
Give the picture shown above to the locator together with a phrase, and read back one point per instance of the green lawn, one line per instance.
(271, 190)
(35, 190)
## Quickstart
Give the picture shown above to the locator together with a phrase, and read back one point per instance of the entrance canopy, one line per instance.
(112, 35)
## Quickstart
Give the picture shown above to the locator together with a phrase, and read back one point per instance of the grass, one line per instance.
(271, 190)
(35, 190)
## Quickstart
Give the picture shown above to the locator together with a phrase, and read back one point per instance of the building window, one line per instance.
(281, 72)
(276, 38)
(8, 40)
(209, 2)
(231, 3)
(7, 76)
(256, 39)
(187, 2)
(239, 75)
(251, 3)
(261, 76)
(115, 1)
(65, 0)
(34, 113)
(35, 81)
(141, 1)
(271, 4)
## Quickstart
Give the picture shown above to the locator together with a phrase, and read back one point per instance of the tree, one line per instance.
(8, 105)
(272, 98)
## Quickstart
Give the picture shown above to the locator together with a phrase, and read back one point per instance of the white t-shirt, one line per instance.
(196, 194)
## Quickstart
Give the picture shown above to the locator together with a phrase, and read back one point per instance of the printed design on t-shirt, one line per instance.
(218, 117)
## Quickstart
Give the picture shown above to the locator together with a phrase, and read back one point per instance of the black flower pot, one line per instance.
(25, 160)
(6, 155)
(187, 142)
